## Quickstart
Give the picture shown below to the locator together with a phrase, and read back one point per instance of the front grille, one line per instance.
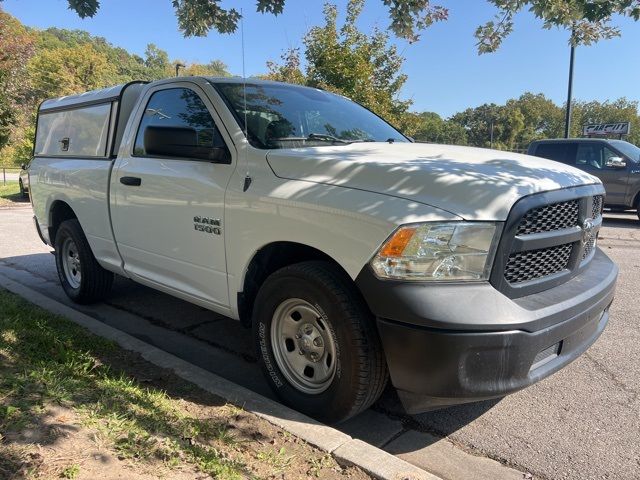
(596, 208)
(548, 239)
(589, 246)
(525, 266)
(549, 218)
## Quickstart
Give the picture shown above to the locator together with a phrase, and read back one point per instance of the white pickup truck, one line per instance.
(356, 256)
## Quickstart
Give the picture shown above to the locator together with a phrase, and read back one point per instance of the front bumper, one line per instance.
(455, 343)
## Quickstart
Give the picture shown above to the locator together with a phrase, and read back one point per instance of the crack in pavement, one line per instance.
(612, 376)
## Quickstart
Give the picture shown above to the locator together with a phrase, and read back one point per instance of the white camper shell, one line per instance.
(88, 125)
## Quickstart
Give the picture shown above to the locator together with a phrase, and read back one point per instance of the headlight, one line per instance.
(438, 251)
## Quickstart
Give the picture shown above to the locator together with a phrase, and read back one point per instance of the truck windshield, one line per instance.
(629, 149)
(289, 116)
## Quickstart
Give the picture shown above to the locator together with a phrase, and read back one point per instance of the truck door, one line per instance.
(167, 194)
(592, 157)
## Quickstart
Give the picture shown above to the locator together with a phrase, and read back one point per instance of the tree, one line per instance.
(215, 68)
(365, 68)
(16, 48)
(157, 62)
(64, 71)
(588, 20)
(289, 70)
(431, 128)
(542, 118)
(507, 123)
(620, 110)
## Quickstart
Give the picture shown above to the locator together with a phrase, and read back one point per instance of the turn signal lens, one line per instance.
(398, 242)
(438, 251)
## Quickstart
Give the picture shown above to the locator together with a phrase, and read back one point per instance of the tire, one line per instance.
(23, 192)
(82, 278)
(296, 305)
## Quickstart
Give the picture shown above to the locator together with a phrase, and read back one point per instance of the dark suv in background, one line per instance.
(615, 162)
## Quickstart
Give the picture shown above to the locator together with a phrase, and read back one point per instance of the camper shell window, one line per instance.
(74, 132)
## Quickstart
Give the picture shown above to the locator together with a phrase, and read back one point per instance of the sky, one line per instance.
(446, 75)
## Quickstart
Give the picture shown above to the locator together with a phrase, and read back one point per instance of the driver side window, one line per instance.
(590, 155)
(179, 114)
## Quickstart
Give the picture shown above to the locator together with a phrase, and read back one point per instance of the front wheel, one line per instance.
(317, 342)
(82, 278)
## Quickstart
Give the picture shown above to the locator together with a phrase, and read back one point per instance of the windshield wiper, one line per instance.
(326, 137)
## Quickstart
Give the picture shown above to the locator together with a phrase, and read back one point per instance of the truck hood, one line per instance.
(473, 183)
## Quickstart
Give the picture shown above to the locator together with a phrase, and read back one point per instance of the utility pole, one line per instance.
(491, 138)
(567, 119)
(178, 67)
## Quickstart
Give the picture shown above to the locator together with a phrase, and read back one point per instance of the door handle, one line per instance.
(131, 181)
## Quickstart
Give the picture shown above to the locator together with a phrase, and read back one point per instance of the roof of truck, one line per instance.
(94, 96)
(113, 93)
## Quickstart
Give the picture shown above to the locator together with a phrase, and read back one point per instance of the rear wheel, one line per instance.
(23, 192)
(82, 278)
(317, 342)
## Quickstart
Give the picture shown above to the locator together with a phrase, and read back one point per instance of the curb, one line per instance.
(346, 450)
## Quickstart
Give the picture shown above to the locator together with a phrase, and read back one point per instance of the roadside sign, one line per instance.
(602, 129)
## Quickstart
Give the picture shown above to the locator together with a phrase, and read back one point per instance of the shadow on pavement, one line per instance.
(437, 423)
(621, 220)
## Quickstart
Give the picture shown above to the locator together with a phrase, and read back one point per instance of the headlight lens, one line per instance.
(438, 251)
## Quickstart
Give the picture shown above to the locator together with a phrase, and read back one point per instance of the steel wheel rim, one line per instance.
(303, 346)
(71, 266)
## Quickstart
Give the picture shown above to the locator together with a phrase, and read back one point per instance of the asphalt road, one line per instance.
(581, 423)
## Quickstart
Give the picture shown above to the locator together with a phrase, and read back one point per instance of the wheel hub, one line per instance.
(310, 343)
(303, 346)
(71, 263)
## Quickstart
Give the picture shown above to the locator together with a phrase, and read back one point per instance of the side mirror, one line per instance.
(616, 162)
(23, 166)
(183, 142)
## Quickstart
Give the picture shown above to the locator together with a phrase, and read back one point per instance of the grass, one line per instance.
(71, 472)
(10, 194)
(145, 417)
(278, 459)
(45, 358)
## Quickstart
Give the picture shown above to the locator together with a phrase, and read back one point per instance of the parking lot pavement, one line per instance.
(582, 423)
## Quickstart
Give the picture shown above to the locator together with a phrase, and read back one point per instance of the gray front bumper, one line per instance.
(456, 343)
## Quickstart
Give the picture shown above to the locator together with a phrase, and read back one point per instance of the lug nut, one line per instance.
(317, 342)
